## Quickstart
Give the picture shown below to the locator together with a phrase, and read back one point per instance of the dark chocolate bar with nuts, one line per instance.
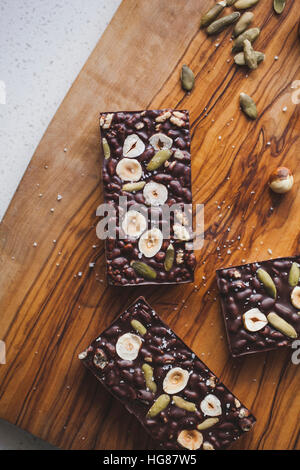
(173, 394)
(146, 159)
(261, 304)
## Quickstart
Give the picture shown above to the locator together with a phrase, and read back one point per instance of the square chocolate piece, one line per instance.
(261, 304)
(158, 378)
(147, 184)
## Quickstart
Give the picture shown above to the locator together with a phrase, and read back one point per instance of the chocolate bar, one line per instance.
(147, 160)
(173, 394)
(261, 304)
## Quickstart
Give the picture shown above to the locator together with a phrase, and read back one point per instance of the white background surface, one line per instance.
(43, 46)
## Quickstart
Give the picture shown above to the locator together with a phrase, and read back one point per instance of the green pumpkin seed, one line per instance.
(249, 54)
(294, 275)
(142, 269)
(248, 106)
(184, 404)
(281, 325)
(148, 373)
(139, 327)
(187, 78)
(212, 14)
(130, 187)
(250, 34)
(244, 4)
(106, 148)
(207, 423)
(169, 259)
(159, 158)
(218, 25)
(267, 282)
(239, 58)
(243, 23)
(279, 6)
(159, 405)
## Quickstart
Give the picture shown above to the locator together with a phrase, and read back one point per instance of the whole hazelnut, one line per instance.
(281, 180)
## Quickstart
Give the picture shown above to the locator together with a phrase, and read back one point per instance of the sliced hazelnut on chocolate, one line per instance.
(128, 346)
(175, 380)
(133, 146)
(134, 223)
(155, 194)
(281, 180)
(181, 233)
(211, 405)
(150, 242)
(161, 141)
(129, 169)
(190, 439)
(254, 320)
(295, 297)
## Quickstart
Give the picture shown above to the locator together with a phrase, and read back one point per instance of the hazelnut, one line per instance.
(281, 180)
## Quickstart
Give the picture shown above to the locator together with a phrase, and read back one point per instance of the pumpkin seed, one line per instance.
(139, 327)
(187, 78)
(212, 14)
(130, 187)
(159, 158)
(243, 23)
(249, 54)
(159, 405)
(142, 269)
(239, 58)
(106, 148)
(222, 23)
(244, 4)
(250, 34)
(248, 106)
(148, 373)
(267, 282)
(294, 275)
(281, 325)
(184, 404)
(207, 423)
(279, 6)
(169, 259)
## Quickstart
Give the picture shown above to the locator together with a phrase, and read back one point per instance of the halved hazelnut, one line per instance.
(254, 320)
(128, 346)
(211, 405)
(281, 180)
(190, 439)
(175, 380)
(295, 297)
(133, 146)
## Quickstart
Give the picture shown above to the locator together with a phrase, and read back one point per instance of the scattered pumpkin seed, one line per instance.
(207, 423)
(159, 158)
(267, 282)
(250, 34)
(249, 54)
(130, 187)
(139, 327)
(212, 14)
(159, 405)
(187, 78)
(142, 269)
(294, 275)
(222, 23)
(279, 6)
(169, 259)
(244, 4)
(184, 404)
(239, 58)
(248, 106)
(106, 148)
(148, 373)
(243, 23)
(281, 325)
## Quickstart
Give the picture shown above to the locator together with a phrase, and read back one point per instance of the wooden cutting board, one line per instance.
(53, 304)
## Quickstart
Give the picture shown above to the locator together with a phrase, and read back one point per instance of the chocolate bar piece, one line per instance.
(177, 399)
(147, 160)
(261, 304)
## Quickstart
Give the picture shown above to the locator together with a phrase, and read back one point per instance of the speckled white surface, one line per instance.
(44, 44)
